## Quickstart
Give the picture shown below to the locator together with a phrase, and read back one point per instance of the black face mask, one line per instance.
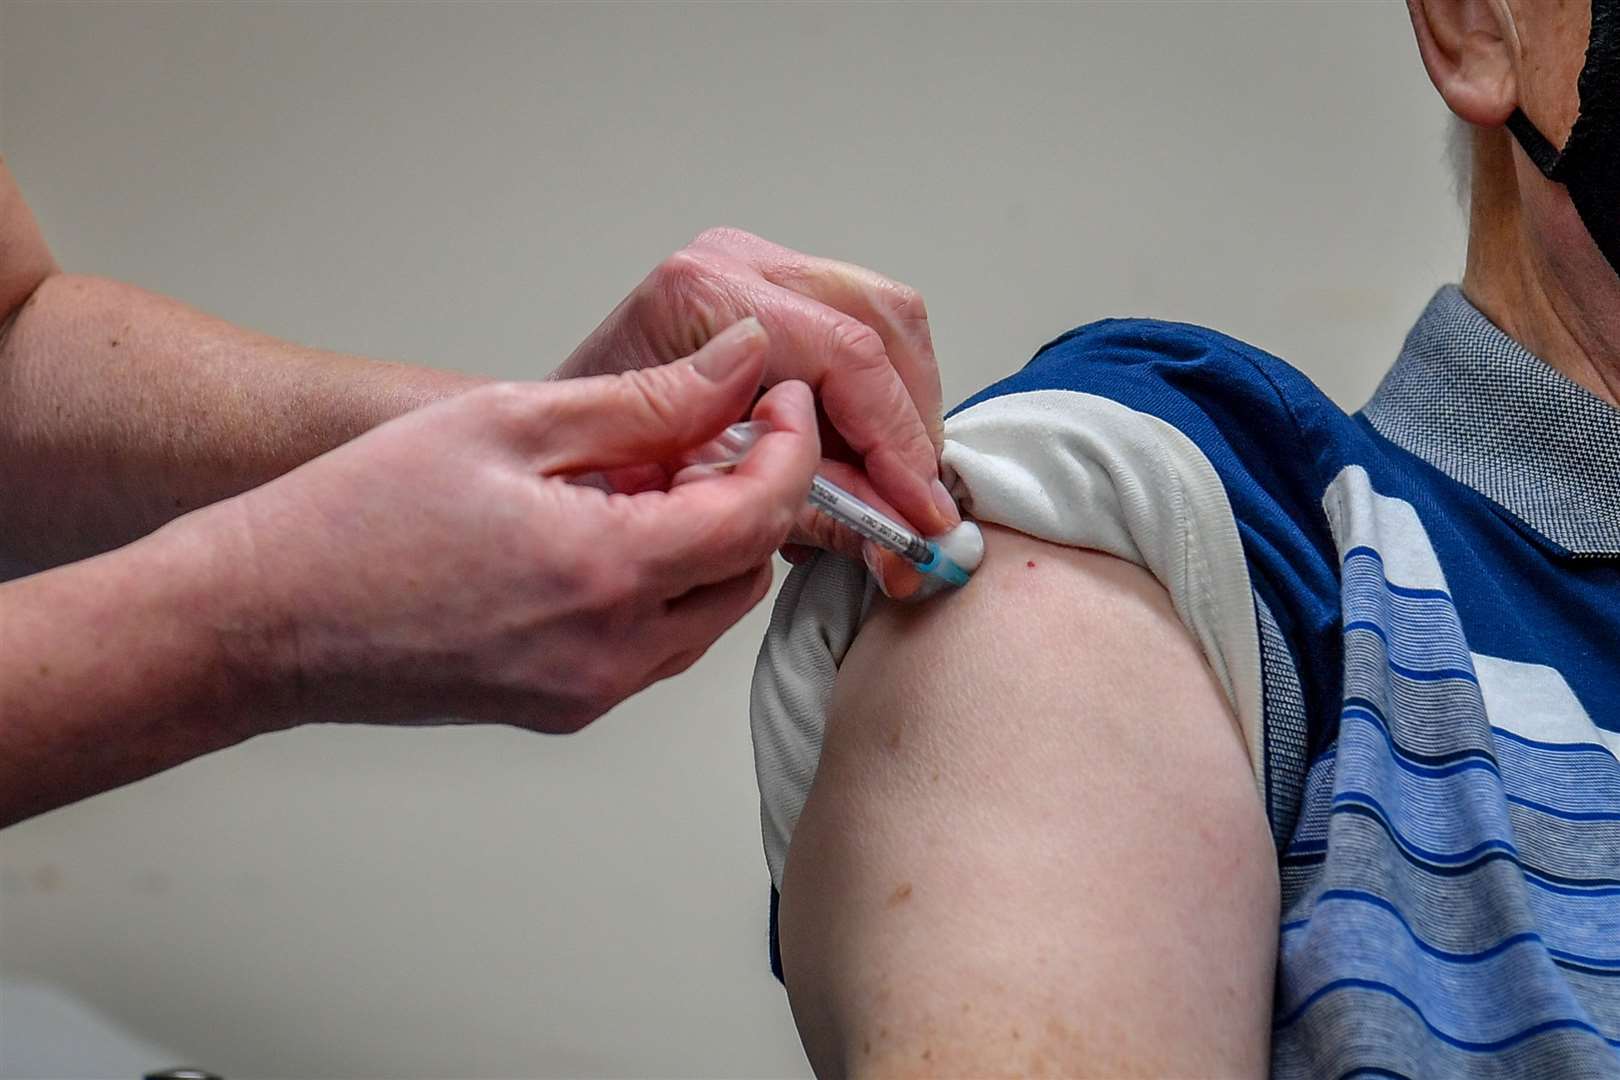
(1589, 164)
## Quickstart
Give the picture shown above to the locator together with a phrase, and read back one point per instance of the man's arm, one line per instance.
(121, 409)
(1034, 844)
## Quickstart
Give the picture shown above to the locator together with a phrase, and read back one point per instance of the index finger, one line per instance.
(862, 341)
(895, 310)
(717, 528)
(858, 388)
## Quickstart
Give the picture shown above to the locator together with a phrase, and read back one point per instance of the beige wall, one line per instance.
(476, 186)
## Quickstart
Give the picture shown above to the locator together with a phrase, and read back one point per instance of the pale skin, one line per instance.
(1046, 856)
(952, 902)
(268, 535)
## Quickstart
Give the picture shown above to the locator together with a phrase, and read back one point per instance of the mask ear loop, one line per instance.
(1589, 164)
(1542, 152)
(1536, 146)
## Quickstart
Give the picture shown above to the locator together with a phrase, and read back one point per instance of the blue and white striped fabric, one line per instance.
(1414, 612)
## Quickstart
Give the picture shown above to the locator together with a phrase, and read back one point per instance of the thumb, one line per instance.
(651, 414)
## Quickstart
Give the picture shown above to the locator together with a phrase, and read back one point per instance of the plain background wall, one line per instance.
(476, 186)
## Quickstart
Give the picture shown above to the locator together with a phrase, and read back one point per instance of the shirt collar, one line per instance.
(1479, 407)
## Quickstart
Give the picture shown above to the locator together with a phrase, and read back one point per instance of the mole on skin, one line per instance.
(1030, 564)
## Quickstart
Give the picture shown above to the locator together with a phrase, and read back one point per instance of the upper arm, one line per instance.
(1034, 841)
(25, 261)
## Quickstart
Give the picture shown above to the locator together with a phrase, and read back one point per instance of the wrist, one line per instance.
(113, 668)
(244, 644)
(401, 388)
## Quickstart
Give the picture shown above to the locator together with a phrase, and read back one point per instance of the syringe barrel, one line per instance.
(730, 446)
(862, 519)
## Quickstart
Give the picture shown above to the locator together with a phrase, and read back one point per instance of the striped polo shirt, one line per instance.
(1414, 613)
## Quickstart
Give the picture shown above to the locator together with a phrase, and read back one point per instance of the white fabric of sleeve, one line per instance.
(1071, 468)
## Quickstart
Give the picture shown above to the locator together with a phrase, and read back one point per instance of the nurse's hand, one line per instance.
(442, 565)
(860, 340)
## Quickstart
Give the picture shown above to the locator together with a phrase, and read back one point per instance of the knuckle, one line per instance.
(907, 304)
(564, 569)
(563, 723)
(613, 585)
(513, 406)
(725, 237)
(785, 516)
(600, 679)
(681, 662)
(683, 299)
(759, 525)
(681, 270)
(734, 535)
(769, 528)
(857, 343)
(510, 397)
(653, 395)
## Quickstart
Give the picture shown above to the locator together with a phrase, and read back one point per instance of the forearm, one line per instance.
(119, 667)
(121, 409)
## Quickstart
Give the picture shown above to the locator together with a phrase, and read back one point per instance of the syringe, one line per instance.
(876, 526)
(729, 447)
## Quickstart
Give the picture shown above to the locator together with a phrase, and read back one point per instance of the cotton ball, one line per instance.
(963, 545)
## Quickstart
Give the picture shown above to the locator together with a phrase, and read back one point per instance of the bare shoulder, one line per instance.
(1110, 621)
(1034, 842)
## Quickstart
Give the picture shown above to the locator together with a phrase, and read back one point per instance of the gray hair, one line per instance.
(1460, 155)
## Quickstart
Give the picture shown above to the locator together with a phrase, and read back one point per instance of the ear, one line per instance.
(1471, 49)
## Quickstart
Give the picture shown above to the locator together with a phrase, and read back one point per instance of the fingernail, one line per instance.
(720, 357)
(946, 505)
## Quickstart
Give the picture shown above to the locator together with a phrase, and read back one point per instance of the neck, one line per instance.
(1548, 287)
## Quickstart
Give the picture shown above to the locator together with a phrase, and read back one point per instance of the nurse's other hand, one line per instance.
(443, 565)
(860, 340)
